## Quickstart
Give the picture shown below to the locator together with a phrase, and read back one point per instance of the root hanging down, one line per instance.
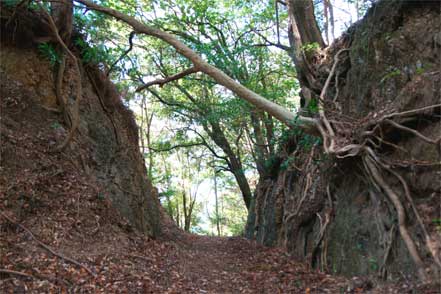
(79, 90)
(410, 244)
(430, 244)
(364, 147)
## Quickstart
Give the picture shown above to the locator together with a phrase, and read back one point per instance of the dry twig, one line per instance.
(16, 273)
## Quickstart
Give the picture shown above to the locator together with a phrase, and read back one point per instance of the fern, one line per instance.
(49, 52)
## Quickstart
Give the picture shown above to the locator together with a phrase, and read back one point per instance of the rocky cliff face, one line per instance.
(326, 210)
(104, 149)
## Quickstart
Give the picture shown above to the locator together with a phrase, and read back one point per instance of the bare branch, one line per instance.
(270, 43)
(176, 147)
(131, 36)
(154, 93)
(175, 77)
(209, 147)
(282, 2)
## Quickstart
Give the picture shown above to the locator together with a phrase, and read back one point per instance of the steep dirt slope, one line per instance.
(105, 147)
(326, 211)
(83, 201)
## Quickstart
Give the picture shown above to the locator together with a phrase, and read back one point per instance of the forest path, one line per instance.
(204, 264)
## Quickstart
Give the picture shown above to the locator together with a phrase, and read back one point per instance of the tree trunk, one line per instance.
(235, 165)
(331, 19)
(303, 30)
(301, 13)
(269, 126)
(62, 13)
(259, 144)
(326, 14)
(186, 212)
(148, 134)
(217, 204)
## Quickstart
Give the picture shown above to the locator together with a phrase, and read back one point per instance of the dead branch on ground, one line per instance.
(16, 273)
(52, 251)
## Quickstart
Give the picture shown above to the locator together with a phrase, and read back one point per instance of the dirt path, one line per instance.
(202, 264)
(236, 265)
(192, 264)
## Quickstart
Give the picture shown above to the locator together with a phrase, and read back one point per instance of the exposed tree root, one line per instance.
(321, 236)
(342, 147)
(412, 131)
(430, 244)
(59, 89)
(99, 94)
(329, 130)
(308, 182)
(75, 115)
(390, 242)
(14, 13)
(411, 112)
(410, 244)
